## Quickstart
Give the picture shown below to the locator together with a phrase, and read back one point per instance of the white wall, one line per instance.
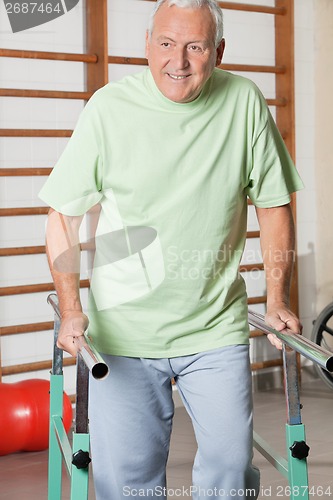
(250, 39)
(323, 134)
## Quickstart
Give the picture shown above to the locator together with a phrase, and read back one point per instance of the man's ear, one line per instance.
(219, 52)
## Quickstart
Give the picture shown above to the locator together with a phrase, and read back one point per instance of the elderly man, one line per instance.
(171, 155)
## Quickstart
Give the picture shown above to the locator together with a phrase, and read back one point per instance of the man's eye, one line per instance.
(195, 48)
(165, 44)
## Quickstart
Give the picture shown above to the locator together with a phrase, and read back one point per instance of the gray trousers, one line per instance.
(130, 416)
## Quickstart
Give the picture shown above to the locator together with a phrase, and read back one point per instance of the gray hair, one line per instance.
(213, 6)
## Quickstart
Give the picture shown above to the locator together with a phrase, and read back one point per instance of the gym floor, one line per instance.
(24, 475)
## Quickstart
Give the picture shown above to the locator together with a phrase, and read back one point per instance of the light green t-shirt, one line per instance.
(172, 180)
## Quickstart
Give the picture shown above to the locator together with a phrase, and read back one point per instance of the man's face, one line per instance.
(181, 51)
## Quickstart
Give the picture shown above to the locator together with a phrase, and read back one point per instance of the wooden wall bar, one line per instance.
(285, 85)
(48, 94)
(141, 61)
(33, 250)
(96, 29)
(35, 288)
(23, 132)
(32, 367)
(47, 364)
(30, 172)
(48, 325)
(51, 56)
(284, 50)
(13, 212)
(27, 328)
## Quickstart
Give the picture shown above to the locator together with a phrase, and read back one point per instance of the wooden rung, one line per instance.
(40, 249)
(23, 172)
(35, 366)
(254, 68)
(266, 364)
(49, 325)
(39, 287)
(141, 61)
(10, 212)
(14, 251)
(49, 94)
(54, 56)
(16, 132)
(256, 333)
(257, 300)
(47, 365)
(27, 328)
(228, 67)
(34, 250)
(21, 289)
(278, 102)
(245, 268)
(263, 9)
(253, 234)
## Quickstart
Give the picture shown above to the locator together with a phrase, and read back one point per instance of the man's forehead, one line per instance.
(187, 16)
(175, 22)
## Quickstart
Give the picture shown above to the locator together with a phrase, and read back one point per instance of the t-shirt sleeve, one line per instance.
(273, 176)
(75, 183)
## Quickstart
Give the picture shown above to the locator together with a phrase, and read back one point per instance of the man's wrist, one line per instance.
(276, 303)
(67, 312)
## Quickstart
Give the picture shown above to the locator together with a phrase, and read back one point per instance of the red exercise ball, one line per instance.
(24, 416)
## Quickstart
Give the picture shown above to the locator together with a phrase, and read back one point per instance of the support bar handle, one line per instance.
(304, 346)
(93, 360)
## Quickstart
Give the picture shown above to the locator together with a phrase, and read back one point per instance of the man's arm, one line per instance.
(63, 252)
(277, 239)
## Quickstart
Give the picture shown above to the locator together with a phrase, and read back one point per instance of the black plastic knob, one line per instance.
(299, 449)
(81, 459)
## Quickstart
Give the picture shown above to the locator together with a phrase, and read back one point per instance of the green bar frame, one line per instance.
(55, 457)
(60, 449)
(279, 462)
(63, 443)
(297, 469)
(80, 477)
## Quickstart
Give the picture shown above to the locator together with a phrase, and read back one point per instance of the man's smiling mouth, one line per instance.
(178, 77)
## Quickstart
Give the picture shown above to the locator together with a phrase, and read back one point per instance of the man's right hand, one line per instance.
(73, 325)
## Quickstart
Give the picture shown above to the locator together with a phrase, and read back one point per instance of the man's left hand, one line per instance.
(281, 318)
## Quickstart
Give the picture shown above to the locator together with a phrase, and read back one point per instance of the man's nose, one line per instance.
(180, 58)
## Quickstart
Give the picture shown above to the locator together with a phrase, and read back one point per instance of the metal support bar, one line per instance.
(291, 386)
(82, 389)
(57, 361)
(304, 346)
(95, 363)
(279, 462)
(295, 468)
